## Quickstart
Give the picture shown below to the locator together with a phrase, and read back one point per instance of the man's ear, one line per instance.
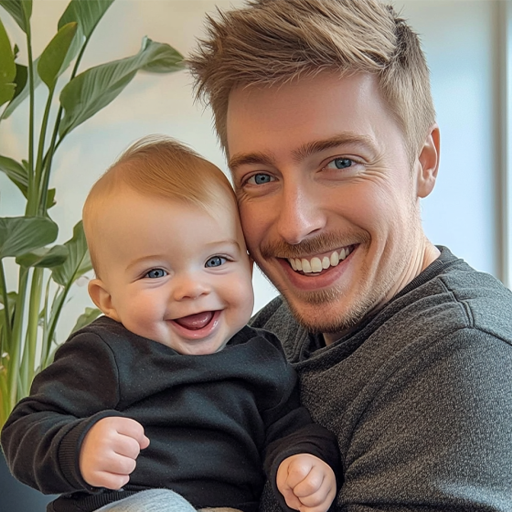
(428, 163)
(102, 298)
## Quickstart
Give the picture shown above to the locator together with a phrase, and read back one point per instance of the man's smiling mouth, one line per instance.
(317, 264)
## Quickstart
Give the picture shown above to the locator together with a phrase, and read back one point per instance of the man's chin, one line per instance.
(325, 312)
(316, 317)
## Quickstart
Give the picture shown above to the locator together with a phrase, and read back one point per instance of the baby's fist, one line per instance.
(307, 483)
(109, 451)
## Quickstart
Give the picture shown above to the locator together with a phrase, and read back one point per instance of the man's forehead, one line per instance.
(305, 117)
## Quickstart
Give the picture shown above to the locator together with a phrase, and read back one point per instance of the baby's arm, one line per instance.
(307, 483)
(109, 451)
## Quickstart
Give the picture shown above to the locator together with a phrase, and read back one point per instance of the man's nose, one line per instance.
(189, 287)
(300, 212)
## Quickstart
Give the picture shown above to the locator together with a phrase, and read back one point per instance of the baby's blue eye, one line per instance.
(215, 261)
(156, 273)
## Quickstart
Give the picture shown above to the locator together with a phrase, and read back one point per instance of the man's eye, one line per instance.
(215, 261)
(260, 179)
(156, 273)
(339, 163)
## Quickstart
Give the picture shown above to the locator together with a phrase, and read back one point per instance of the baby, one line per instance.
(169, 402)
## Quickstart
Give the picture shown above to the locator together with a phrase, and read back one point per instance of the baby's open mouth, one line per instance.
(196, 321)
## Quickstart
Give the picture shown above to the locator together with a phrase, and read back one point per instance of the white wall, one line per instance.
(458, 38)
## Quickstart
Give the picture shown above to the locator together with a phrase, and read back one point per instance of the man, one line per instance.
(324, 110)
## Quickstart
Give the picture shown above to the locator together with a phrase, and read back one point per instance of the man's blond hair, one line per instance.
(275, 41)
(157, 166)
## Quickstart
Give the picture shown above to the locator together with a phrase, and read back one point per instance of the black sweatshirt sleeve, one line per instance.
(291, 431)
(43, 435)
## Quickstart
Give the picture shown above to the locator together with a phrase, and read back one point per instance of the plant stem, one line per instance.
(15, 354)
(47, 165)
(41, 209)
(45, 343)
(48, 159)
(31, 207)
(56, 311)
(29, 355)
(4, 394)
(3, 287)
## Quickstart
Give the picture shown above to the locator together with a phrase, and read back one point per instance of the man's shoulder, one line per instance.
(450, 296)
(481, 298)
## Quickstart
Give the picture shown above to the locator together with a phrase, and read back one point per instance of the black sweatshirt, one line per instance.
(213, 420)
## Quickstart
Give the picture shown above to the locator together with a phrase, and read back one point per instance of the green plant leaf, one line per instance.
(20, 79)
(52, 60)
(50, 198)
(86, 318)
(20, 10)
(15, 172)
(95, 88)
(78, 261)
(19, 235)
(44, 257)
(86, 14)
(11, 299)
(7, 67)
(22, 89)
(165, 59)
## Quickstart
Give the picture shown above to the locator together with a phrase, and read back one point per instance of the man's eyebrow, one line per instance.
(310, 148)
(305, 150)
(249, 158)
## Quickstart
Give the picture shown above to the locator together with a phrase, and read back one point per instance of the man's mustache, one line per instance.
(320, 244)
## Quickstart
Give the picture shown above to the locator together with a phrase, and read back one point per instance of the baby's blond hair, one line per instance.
(157, 166)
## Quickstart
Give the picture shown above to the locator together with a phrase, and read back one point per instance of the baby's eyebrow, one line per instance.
(142, 260)
(230, 241)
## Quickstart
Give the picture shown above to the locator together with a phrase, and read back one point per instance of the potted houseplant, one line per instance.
(29, 314)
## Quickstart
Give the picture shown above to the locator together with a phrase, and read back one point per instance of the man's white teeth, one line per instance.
(315, 264)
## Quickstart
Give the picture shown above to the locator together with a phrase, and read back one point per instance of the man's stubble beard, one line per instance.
(371, 297)
(343, 319)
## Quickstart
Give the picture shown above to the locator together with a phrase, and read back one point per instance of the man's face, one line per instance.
(328, 195)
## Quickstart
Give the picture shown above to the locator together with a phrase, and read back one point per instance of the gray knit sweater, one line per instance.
(419, 395)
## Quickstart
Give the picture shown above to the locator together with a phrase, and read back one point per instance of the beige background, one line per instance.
(465, 42)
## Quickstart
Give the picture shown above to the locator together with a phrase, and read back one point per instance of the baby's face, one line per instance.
(173, 273)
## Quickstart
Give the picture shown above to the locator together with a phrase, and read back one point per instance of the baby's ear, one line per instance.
(102, 298)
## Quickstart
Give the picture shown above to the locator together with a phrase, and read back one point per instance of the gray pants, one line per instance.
(157, 500)
(152, 500)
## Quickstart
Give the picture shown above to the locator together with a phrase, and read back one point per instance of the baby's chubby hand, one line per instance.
(307, 483)
(109, 451)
